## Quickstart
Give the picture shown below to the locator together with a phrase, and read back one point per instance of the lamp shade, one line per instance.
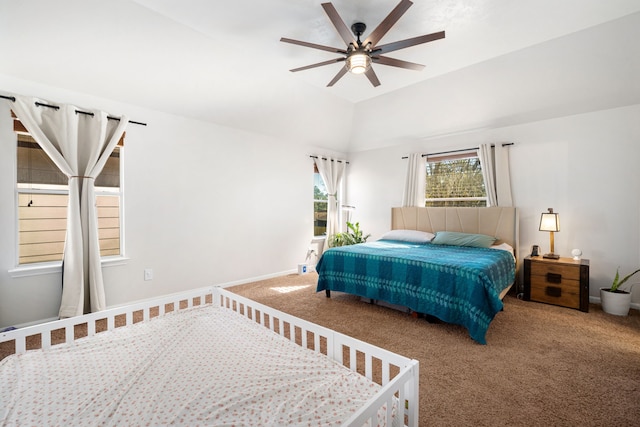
(550, 221)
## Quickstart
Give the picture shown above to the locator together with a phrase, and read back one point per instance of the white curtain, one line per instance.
(494, 161)
(485, 154)
(80, 145)
(332, 172)
(414, 186)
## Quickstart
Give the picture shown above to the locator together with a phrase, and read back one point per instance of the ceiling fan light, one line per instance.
(358, 63)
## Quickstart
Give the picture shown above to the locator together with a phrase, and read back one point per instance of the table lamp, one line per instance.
(550, 221)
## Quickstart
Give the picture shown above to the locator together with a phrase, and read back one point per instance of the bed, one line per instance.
(456, 282)
(204, 357)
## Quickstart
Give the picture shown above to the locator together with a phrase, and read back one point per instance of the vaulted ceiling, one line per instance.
(222, 61)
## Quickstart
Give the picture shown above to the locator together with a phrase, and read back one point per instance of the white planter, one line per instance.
(617, 303)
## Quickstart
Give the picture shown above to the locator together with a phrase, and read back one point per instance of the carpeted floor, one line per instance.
(543, 365)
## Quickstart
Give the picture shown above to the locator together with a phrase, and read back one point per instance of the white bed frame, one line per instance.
(397, 375)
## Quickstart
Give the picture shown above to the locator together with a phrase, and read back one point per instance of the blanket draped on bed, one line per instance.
(459, 285)
(200, 366)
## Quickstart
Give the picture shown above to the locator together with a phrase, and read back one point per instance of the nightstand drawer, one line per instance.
(565, 293)
(556, 272)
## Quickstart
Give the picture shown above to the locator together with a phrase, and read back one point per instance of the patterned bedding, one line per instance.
(457, 284)
(201, 366)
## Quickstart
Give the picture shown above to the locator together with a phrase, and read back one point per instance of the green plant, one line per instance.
(617, 282)
(352, 236)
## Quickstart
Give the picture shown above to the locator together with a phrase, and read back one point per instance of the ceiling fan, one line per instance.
(359, 55)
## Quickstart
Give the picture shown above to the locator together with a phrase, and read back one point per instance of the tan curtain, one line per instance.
(79, 144)
(494, 161)
(503, 176)
(332, 172)
(415, 181)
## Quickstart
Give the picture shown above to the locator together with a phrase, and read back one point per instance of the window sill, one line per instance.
(56, 267)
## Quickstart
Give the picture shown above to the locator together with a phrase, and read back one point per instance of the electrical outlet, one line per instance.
(148, 274)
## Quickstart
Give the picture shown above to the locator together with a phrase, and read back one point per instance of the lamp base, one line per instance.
(551, 256)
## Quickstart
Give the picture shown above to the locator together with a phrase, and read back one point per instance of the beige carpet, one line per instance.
(543, 365)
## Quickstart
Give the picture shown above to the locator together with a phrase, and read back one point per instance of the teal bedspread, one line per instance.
(459, 285)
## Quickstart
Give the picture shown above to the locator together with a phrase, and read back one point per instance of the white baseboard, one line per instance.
(35, 322)
(596, 300)
(256, 279)
(222, 285)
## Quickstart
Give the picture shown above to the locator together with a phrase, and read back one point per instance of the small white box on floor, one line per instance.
(302, 269)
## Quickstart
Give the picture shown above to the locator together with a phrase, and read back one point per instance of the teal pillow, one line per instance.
(463, 239)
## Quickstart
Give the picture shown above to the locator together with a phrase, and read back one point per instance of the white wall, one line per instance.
(584, 166)
(204, 205)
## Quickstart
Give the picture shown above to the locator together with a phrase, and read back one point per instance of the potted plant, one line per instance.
(352, 236)
(614, 299)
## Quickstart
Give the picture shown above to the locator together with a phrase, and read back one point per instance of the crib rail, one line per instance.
(103, 320)
(398, 375)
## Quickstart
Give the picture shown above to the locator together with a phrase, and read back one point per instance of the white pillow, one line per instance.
(411, 236)
(504, 247)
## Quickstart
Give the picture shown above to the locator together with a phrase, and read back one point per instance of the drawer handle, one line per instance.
(554, 278)
(553, 291)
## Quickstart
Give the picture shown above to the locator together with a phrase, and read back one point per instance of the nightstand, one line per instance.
(563, 282)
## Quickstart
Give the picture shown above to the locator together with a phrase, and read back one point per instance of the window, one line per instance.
(455, 180)
(42, 194)
(320, 197)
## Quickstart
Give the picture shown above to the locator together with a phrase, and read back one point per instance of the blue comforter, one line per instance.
(459, 285)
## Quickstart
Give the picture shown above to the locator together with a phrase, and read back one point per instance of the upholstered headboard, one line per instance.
(500, 222)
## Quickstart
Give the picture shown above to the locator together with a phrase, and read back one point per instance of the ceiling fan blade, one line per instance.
(385, 60)
(390, 47)
(371, 75)
(337, 21)
(319, 64)
(388, 22)
(313, 45)
(342, 72)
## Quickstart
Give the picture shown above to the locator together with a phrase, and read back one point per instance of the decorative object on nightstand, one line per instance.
(550, 221)
(562, 281)
(577, 253)
(615, 300)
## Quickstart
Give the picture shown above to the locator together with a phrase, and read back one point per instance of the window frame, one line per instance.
(458, 155)
(325, 201)
(48, 267)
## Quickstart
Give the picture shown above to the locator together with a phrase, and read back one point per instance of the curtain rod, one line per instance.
(324, 158)
(457, 151)
(55, 107)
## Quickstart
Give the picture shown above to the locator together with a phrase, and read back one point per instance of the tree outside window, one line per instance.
(320, 198)
(455, 181)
